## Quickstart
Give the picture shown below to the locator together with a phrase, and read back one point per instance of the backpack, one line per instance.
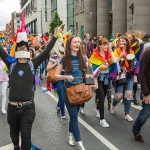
(32, 70)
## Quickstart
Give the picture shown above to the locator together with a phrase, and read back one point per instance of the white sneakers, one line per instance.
(70, 139)
(128, 118)
(97, 113)
(82, 111)
(4, 111)
(104, 124)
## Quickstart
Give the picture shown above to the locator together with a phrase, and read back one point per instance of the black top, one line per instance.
(21, 85)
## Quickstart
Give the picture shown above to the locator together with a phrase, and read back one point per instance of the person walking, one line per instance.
(21, 106)
(73, 63)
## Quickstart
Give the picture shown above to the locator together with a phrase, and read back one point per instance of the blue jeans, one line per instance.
(142, 117)
(73, 111)
(122, 89)
(59, 86)
(43, 66)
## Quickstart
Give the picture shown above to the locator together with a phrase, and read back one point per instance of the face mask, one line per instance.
(22, 54)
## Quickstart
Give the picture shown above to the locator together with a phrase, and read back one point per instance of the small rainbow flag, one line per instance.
(66, 36)
(33, 147)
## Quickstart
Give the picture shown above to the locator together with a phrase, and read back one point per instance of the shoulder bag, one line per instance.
(78, 94)
(51, 76)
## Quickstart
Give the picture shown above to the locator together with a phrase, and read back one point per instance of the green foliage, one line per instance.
(55, 23)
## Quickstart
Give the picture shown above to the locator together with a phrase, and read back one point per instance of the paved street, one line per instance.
(49, 134)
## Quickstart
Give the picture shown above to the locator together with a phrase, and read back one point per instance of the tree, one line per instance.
(55, 23)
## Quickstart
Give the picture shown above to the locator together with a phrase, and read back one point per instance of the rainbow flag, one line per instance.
(138, 50)
(33, 147)
(97, 61)
(112, 38)
(66, 36)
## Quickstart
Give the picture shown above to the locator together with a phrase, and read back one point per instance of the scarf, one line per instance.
(117, 53)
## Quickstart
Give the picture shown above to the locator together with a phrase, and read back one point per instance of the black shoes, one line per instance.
(41, 77)
(135, 101)
(138, 136)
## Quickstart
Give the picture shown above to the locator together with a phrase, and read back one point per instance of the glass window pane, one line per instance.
(69, 1)
(70, 11)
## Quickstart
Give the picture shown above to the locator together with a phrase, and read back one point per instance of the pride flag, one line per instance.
(97, 61)
(138, 50)
(33, 147)
(66, 36)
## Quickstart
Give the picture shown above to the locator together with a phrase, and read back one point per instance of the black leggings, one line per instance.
(101, 93)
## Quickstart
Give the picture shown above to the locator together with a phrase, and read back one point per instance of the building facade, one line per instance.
(12, 26)
(37, 16)
(111, 16)
(65, 10)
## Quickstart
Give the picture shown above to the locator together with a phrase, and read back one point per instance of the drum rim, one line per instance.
(130, 55)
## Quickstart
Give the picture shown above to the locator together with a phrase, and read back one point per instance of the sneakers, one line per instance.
(138, 136)
(112, 109)
(58, 111)
(128, 117)
(97, 113)
(82, 111)
(104, 124)
(70, 139)
(4, 111)
(80, 146)
(64, 120)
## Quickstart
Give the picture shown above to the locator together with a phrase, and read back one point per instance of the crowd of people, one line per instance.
(114, 66)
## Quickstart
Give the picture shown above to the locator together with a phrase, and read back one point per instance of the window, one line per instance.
(53, 8)
(82, 5)
(70, 14)
(77, 7)
(18, 21)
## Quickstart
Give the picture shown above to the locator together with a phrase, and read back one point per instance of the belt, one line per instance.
(21, 104)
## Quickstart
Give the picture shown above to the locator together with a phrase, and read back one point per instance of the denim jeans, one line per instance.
(43, 66)
(73, 111)
(142, 117)
(21, 119)
(59, 86)
(122, 89)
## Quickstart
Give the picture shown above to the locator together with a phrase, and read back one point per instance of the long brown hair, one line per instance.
(82, 48)
(67, 58)
(127, 45)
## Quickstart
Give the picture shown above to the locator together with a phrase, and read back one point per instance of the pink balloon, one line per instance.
(27, 30)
